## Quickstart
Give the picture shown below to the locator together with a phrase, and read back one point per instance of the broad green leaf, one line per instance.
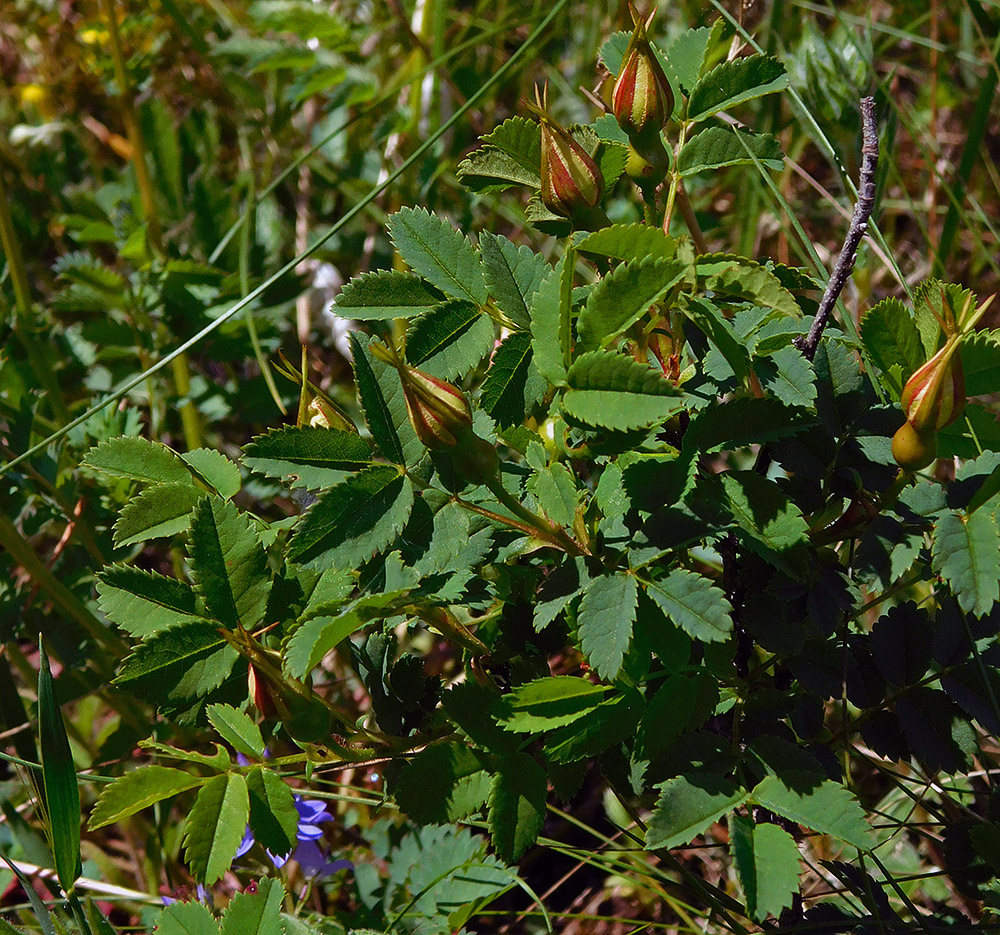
(981, 362)
(767, 864)
(928, 297)
(517, 805)
(218, 761)
(450, 339)
(274, 819)
(734, 82)
(687, 53)
(546, 703)
(62, 794)
(439, 253)
(605, 619)
(139, 460)
(551, 330)
(214, 469)
(828, 808)
(718, 329)
(144, 602)
(158, 511)
(558, 590)
(688, 805)
(902, 643)
(382, 399)
(936, 730)
(741, 422)
(353, 521)
(694, 604)
(891, 338)
(444, 782)
(256, 913)
(768, 522)
(609, 724)
(740, 278)
(215, 825)
(557, 494)
(228, 564)
(624, 296)
(237, 729)
(667, 715)
(513, 274)
(386, 293)
(628, 241)
(965, 551)
(510, 155)
(308, 456)
(512, 385)
(184, 662)
(789, 376)
(468, 705)
(616, 392)
(190, 918)
(316, 637)
(138, 789)
(715, 147)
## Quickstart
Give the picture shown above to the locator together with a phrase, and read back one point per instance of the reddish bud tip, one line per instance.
(934, 396)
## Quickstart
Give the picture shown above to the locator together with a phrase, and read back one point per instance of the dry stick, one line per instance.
(859, 227)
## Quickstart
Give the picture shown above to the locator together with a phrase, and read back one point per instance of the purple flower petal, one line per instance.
(245, 844)
(314, 862)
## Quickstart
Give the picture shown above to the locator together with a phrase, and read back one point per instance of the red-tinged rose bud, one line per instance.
(642, 100)
(260, 693)
(572, 182)
(438, 411)
(934, 396)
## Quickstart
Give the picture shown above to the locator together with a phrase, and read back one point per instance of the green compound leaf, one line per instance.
(439, 253)
(981, 362)
(215, 470)
(610, 723)
(767, 864)
(308, 456)
(623, 297)
(138, 789)
(828, 807)
(510, 155)
(694, 604)
(557, 494)
(144, 602)
(743, 279)
(605, 618)
(616, 392)
(139, 460)
(158, 511)
(965, 551)
(512, 385)
(228, 564)
(386, 293)
(354, 520)
(257, 913)
(237, 728)
(626, 241)
(734, 82)
(215, 825)
(688, 52)
(547, 703)
(551, 328)
(891, 338)
(445, 782)
(274, 818)
(789, 376)
(715, 147)
(178, 664)
(384, 405)
(688, 805)
(719, 330)
(517, 805)
(513, 274)
(316, 637)
(61, 792)
(740, 422)
(450, 339)
(767, 521)
(190, 918)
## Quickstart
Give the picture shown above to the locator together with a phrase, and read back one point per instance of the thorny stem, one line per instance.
(859, 226)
